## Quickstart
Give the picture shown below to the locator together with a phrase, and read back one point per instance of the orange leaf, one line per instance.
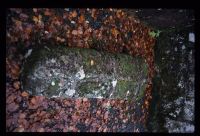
(81, 19)
(115, 32)
(24, 94)
(74, 14)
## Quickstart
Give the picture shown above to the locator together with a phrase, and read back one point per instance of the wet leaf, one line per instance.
(10, 98)
(12, 107)
(74, 32)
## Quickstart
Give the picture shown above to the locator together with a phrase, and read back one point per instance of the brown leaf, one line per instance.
(28, 30)
(121, 101)
(22, 15)
(106, 115)
(22, 115)
(12, 107)
(105, 129)
(9, 122)
(15, 70)
(65, 130)
(98, 112)
(85, 99)
(74, 32)
(33, 100)
(118, 14)
(16, 85)
(115, 32)
(42, 113)
(47, 13)
(60, 39)
(93, 13)
(80, 32)
(66, 103)
(47, 120)
(35, 19)
(78, 102)
(40, 130)
(39, 99)
(34, 9)
(10, 98)
(18, 23)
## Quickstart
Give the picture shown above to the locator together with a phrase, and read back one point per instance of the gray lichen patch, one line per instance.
(74, 72)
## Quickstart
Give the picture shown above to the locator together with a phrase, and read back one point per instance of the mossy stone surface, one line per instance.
(57, 71)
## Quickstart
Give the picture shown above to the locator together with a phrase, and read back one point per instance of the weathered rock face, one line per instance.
(74, 72)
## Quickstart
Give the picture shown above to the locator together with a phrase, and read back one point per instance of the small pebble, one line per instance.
(66, 9)
(52, 83)
(73, 22)
(183, 47)
(46, 32)
(191, 37)
(92, 62)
